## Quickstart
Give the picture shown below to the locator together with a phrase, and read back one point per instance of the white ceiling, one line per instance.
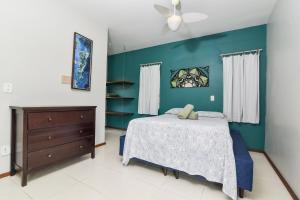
(134, 24)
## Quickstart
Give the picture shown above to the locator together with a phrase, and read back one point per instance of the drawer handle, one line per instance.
(81, 131)
(49, 137)
(49, 119)
(81, 146)
(81, 116)
(49, 155)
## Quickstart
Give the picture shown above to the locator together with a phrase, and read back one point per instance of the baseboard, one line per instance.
(6, 174)
(257, 151)
(121, 129)
(283, 180)
(99, 145)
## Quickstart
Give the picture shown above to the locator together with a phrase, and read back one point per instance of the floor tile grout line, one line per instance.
(51, 195)
(17, 186)
(94, 189)
(87, 185)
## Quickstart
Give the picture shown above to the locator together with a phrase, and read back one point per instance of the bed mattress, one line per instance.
(198, 147)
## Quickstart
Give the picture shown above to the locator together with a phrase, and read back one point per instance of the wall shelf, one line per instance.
(119, 82)
(113, 93)
(112, 113)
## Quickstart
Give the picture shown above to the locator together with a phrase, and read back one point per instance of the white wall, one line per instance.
(283, 96)
(36, 42)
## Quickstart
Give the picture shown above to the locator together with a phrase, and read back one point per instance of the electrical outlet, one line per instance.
(7, 87)
(5, 150)
(212, 98)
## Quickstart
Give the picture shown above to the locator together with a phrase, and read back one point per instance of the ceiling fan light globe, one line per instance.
(174, 22)
(175, 2)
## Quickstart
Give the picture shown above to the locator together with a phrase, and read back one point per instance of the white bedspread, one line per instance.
(197, 147)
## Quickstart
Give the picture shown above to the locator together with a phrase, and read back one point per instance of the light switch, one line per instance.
(7, 87)
(65, 79)
(212, 98)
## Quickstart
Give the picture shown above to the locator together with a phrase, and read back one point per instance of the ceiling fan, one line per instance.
(175, 18)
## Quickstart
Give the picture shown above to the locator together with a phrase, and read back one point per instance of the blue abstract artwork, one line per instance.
(82, 62)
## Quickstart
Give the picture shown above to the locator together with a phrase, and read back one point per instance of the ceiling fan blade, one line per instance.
(166, 12)
(193, 17)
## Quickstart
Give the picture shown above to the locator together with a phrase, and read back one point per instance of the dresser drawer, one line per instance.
(46, 138)
(37, 120)
(52, 155)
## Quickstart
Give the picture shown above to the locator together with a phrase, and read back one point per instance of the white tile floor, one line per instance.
(106, 178)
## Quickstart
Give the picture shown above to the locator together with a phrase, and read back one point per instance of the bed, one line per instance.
(197, 147)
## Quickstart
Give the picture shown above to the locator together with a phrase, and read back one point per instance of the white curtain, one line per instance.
(241, 88)
(149, 93)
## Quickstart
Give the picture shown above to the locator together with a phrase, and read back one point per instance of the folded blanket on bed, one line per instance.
(184, 114)
(193, 115)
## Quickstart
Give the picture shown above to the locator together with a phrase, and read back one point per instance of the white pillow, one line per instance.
(174, 111)
(211, 114)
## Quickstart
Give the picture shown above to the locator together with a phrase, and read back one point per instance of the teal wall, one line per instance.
(194, 52)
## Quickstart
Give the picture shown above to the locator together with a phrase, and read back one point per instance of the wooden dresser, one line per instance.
(43, 136)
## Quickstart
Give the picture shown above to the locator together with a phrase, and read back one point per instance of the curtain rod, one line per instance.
(241, 52)
(149, 64)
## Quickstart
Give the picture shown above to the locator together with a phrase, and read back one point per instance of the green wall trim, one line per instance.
(201, 51)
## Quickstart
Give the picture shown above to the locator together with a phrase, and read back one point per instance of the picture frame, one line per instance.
(82, 62)
(192, 77)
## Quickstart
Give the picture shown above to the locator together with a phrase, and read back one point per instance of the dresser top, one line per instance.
(52, 107)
